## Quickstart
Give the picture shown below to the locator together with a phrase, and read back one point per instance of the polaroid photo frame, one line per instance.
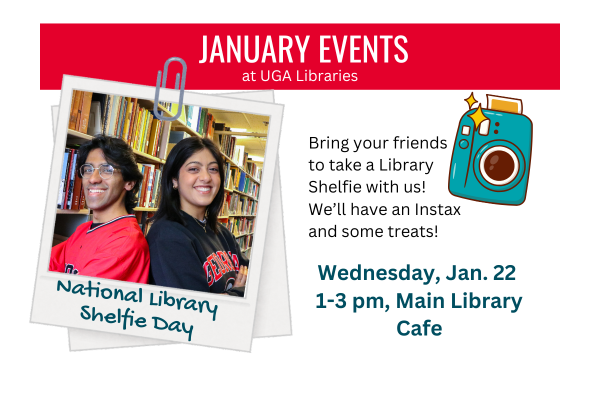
(272, 308)
(228, 325)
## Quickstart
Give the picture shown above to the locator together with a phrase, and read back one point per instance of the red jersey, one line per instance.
(116, 249)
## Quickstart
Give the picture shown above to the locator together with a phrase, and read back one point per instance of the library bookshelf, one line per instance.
(242, 188)
(239, 210)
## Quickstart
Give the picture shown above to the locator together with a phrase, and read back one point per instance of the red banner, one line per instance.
(308, 56)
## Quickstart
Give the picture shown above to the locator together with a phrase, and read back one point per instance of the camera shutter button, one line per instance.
(463, 144)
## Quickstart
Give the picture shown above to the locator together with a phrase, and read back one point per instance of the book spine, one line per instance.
(164, 139)
(153, 134)
(114, 119)
(75, 110)
(149, 186)
(112, 114)
(82, 198)
(119, 125)
(143, 131)
(205, 127)
(199, 121)
(132, 119)
(122, 118)
(61, 190)
(107, 115)
(141, 168)
(85, 111)
(73, 113)
(157, 176)
(79, 109)
(76, 192)
(138, 123)
(68, 188)
(211, 127)
(142, 139)
(242, 182)
(127, 120)
(144, 185)
(124, 108)
(134, 131)
(204, 116)
(140, 197)
(147, 135)
(154, 141)
(72, 180)
(158, 137)
(156, 186)
(190, 111)
(158, 189)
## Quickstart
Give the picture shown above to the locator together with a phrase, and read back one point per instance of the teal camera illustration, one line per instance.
(491, 158)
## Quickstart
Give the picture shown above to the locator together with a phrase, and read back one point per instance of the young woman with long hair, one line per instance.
(189, 249)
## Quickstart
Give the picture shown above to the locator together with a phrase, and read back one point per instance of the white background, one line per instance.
(548, 349)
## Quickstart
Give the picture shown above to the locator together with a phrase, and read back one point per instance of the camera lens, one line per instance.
(499, 165)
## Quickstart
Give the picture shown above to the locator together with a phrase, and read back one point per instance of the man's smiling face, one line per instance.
(102, 194)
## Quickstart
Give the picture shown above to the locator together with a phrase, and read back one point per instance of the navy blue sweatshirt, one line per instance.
(193, 257)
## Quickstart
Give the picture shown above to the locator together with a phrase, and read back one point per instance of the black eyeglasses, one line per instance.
(106, 171)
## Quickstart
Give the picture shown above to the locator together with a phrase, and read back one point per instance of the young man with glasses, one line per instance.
(112, 245)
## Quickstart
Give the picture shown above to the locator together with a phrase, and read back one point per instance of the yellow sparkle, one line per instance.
(471, 100)
(478, 117)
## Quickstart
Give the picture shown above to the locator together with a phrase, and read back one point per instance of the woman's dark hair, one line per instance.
(118, 154)
(170, 204)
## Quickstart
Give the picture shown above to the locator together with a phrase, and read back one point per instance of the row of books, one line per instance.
(232, 176)
(240, 226)
(205, 124)
(229, 203)
(253, 170)
(247, 206)
(227, 144)
(243, 226)
(245, 242)
(228, 222)
(236, 179)
(71, 194)
(234, 204)
(249, 187)
(240, 157)
(172, 108)
(124, 118)
(197, 118)
(149, 193)
(79, 116)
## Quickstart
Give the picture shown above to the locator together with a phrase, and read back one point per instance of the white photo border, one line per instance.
(234, 320)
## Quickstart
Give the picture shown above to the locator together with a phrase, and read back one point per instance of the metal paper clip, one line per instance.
(164, 83)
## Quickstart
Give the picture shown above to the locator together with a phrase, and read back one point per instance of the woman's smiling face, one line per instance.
(198, 184)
